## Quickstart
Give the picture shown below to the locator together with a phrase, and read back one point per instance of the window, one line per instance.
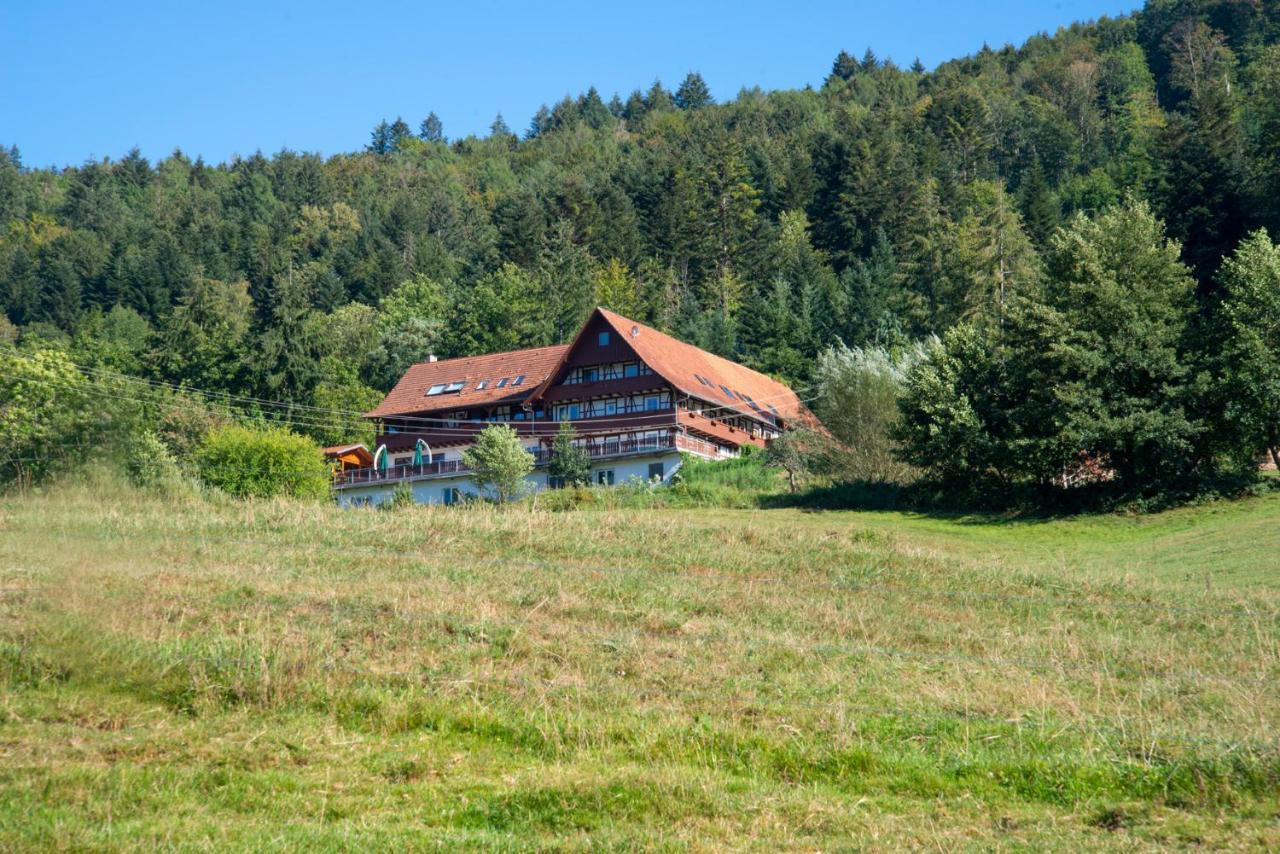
(480, 386)
(435, 389)
(655, 471)
(603, 338)
(451, 387)
(451, 495)
(728, 392)
(502, 383)
(652, 402)
(604, 477)
(631, 370)
(518, 380)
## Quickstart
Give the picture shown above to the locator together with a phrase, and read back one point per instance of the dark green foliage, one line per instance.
(1089, 382)
(693, 94)
(886, 206)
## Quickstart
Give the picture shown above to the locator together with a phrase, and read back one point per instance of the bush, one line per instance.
(150, 464)
(858, 402)
(262, 462)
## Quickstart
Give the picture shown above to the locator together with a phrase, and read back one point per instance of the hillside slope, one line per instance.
(268, 675)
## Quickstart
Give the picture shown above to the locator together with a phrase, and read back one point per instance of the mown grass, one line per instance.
(196, 672)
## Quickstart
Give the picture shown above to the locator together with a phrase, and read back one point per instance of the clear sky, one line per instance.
(81, 80)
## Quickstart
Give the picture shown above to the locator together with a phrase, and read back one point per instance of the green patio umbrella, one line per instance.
(381, 458)
(417, 453)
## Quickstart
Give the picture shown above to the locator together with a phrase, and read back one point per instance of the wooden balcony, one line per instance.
(464, 432)
(601, 450)
(714, 428)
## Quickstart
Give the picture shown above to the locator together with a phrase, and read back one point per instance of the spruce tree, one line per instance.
(693, 93)
(432, 129)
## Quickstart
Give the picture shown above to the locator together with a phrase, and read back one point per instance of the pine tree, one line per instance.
(499, 128)
(432, 129)
(693, 93)
(844, 67)
(658, 98)
(1039, 208)
(592, 109)
(398, 133)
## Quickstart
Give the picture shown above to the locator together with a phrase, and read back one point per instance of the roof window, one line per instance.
(451, 387)
(480, 386)
(518, 381)
(502, 383)
(435, 389)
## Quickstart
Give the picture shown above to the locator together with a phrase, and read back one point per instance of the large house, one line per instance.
(637, 399)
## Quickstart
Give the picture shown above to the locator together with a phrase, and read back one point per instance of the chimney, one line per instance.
(431, 358)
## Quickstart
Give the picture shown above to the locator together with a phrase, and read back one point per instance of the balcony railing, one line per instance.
(453, 468)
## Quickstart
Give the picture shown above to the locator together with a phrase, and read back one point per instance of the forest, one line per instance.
(1061, 252)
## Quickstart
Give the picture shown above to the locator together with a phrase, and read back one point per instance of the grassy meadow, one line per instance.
(192, 672)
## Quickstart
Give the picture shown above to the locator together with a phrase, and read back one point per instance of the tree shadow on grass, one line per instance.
(1021, 507)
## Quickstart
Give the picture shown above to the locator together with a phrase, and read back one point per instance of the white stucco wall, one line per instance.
(432, 490)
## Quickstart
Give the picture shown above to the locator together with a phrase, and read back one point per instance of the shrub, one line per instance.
(498, 460)
(150, 464)
(262, 463)
(858, 402)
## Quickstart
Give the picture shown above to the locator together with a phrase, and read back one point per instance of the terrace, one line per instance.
(599, 450)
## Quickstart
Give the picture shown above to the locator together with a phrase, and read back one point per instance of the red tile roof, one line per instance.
(675, 361)
(409, 397)
(681, 364)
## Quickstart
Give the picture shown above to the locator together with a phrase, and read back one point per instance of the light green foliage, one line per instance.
(857, 400)
(262, 462)
(343, 399)
(118, 340)
(569, 464)
(52, 416)
(150, 463)
(498, 461)
(1248, 326)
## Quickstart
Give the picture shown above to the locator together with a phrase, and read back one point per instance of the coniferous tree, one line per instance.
(432, 129)
(693, 93)
(843, 68)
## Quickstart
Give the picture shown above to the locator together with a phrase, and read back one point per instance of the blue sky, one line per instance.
(80, 80)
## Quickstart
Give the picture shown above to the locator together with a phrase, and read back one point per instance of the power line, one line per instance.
(227, 396)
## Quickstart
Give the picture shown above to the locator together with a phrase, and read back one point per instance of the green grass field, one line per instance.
(191, 672)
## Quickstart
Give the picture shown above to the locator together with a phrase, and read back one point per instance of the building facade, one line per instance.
(637, 398)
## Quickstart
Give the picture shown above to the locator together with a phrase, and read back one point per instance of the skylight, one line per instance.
(436, 389)
(501, 383)
(480, 386)
(518, 380)
(728, 392)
